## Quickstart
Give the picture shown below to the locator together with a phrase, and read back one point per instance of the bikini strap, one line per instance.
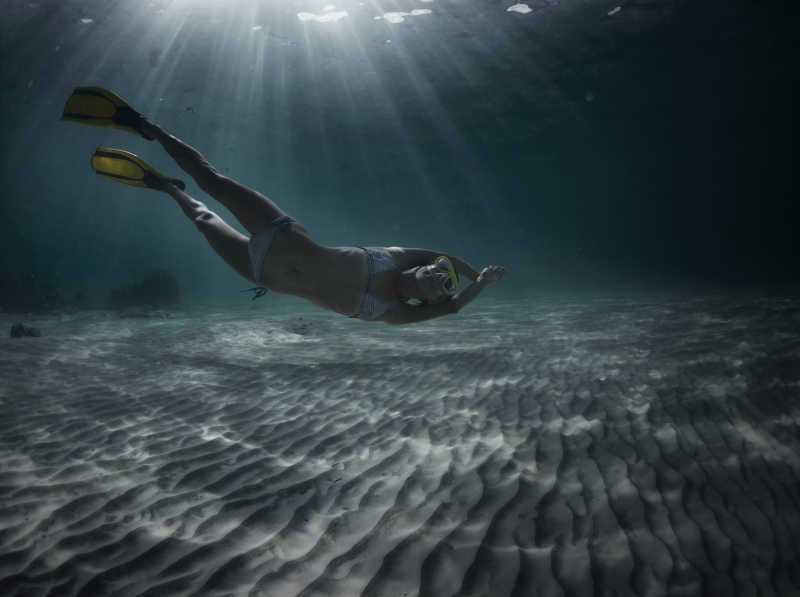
(258, 291)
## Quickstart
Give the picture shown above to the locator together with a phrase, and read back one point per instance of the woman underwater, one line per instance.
(370, 283)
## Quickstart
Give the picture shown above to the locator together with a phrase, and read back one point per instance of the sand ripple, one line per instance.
(628, 448)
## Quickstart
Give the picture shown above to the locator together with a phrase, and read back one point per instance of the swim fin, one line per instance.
(101, 107)
(125, 167)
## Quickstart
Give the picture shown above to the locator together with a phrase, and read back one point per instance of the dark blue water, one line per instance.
(589, 149)
(617, 416)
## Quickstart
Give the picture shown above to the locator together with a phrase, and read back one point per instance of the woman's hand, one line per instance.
(490, 274)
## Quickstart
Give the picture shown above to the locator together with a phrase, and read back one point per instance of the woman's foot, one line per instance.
(155, 182)
(148, 129)
(162, 184)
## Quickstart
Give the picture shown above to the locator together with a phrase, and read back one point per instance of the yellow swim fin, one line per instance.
(125, 167)
(101, 107)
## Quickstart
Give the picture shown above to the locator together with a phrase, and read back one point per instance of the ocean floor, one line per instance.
(639, 447)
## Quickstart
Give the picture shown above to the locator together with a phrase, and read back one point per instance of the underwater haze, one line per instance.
(587, 146)
(619, 415)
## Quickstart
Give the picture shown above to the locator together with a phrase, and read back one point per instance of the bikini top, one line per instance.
(378, 261)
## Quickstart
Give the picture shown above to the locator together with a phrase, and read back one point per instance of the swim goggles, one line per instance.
(450, 282)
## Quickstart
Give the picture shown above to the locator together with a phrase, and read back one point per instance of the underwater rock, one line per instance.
(300, 326)
(303, 326)
(19, 330)
(159, 288)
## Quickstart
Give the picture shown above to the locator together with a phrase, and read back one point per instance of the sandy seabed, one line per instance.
(637, 447)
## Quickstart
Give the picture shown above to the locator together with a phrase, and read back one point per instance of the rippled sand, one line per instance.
(603, 448)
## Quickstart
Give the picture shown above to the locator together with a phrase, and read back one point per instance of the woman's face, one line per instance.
(429, 279)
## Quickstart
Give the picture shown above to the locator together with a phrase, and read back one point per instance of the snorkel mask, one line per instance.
(447, 273)
(450, 282)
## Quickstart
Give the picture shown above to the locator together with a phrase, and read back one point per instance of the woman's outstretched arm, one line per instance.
(406, 258)
(490, 274)
(404, 313)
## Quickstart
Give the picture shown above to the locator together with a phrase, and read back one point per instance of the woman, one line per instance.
(372, 283)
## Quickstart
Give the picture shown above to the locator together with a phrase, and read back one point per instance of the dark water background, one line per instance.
(646, 150)
(580, 443)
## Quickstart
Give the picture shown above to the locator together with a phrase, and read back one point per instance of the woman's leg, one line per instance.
(251, 208)
(229, 243)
